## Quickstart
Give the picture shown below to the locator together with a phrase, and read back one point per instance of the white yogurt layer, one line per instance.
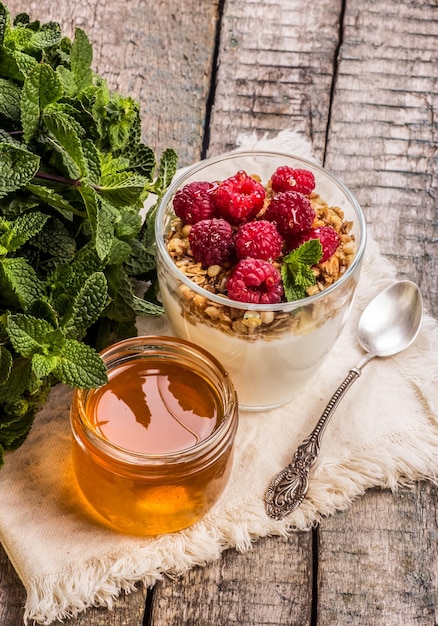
(265, 373)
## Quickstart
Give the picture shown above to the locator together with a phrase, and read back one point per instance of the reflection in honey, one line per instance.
(154, 407)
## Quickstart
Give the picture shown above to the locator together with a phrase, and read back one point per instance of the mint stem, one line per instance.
(58, 179)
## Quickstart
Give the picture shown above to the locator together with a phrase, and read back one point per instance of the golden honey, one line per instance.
(152, 449)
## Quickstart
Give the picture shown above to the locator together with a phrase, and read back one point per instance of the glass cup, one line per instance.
(269, 350)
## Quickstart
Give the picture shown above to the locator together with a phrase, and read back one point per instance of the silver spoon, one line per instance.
(388, 325)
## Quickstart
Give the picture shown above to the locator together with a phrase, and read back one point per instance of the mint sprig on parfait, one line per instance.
(296, 270)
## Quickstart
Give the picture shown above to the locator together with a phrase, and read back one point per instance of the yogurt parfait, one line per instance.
(258, 257)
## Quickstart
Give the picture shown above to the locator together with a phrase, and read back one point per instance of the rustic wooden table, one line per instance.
(358, 78)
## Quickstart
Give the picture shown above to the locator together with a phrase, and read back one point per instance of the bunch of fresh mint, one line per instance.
(73, 249)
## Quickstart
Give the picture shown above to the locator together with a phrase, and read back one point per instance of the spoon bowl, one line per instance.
(388, 325)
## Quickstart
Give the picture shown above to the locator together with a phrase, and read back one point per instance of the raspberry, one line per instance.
(258, 240)
(256, 281)
(327, 235)
(193, 202)
(239, 198)
(287, 178)
(211, 241)
(291, 212)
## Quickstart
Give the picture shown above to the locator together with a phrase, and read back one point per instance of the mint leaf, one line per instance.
(144, 307)
(128, 225)
(23, 280)
(148, 228)
(167, 170)
(296, 271)
(81, 58)
(42, 309)
(16, 426)
(100, 220)
(5, 137)
(10, 94)
(112, 165)
(122, 188)
(122, 306)
(117, 118)
(44, 364)
(309, 253)
(16, 64)
(52, 198)
(67, 80)
(119, 252)
(86, 307)
(22, 19)
(41, 87)
(18, 412)
(30, 335)
(141, 260)
(4, 21)
(98, 104)
(80, 366)
(91, 155)
(17, 381)
(5, 363)
(18, 415)
(143, 160)
(47, 36)
(23, 228)
(56, 241)
(64, 138)
(87, 261)
(17, 167)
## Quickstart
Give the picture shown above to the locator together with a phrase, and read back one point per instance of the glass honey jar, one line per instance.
(152, 449)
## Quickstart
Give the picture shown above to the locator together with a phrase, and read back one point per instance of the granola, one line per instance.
(253, 324)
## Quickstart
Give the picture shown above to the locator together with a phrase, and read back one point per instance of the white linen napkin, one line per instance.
(385, 433)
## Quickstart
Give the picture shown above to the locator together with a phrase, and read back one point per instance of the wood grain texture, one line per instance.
(12, 593)
(160, 53)
(383, 132)
(127, 610)
(269, 585)
(275, 69)
(378, 561)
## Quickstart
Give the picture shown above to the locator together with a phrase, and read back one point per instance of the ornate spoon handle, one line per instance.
(289, 487)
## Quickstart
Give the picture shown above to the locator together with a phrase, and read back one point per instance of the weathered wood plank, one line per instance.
(12, 593)
(127, 610)
(160, 53)
(270, 584)
(378, 561)
(275, 69)
(383, 133)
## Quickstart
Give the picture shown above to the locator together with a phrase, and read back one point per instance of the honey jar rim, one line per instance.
(134, 346)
